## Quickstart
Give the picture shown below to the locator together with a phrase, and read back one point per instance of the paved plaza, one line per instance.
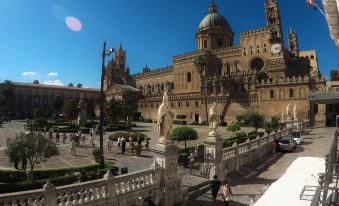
(85, 157)
(249, 181)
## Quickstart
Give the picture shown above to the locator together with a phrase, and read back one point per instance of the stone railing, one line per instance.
(238, 155)
(123, 190)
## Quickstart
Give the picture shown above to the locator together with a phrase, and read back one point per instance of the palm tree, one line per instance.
(7, 91)
(70, 84)
(200, 64)
(79, 85)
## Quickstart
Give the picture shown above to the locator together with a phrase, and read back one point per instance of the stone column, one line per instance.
(111, 195)
(213, 148)
(50, 194)
(166, 163)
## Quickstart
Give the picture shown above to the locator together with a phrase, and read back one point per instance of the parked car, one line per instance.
(297, 137)
(287, 144)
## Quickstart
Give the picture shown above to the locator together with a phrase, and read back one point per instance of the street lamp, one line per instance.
(102, 99)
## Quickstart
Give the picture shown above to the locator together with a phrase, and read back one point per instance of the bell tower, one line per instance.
(274, 20)
(120, 58)
(293, 42)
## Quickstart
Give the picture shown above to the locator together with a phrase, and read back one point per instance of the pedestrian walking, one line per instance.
(274, 147)
(83, 140)
(72, 147)
(109, 144)
(225, 192)
(50, 135)
(64, 138)
(139, 140)
(215, 187)
(93, 139)
(57, 137)
(130, 140)
(147, 143)
(123, 145)
(119, 141)
(77, 140)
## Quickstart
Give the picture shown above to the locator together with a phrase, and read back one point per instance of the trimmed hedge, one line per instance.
(114, 137)
(181, 116)
(12, 176)
(57, 177)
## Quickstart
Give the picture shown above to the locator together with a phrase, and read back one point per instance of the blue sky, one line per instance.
(36, 43)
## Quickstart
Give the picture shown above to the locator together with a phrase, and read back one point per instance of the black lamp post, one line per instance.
(102, 99)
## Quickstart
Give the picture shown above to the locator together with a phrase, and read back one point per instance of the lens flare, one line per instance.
(73, 23)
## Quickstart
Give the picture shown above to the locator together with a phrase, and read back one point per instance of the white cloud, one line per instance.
(28, 74)
(54, 82)
(52, 74)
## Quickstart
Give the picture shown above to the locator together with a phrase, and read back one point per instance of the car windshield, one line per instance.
(295, 134)
(284, 141)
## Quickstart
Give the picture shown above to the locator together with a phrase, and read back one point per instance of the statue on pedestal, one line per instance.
(295, 112)
(213, 119)
(164, 119)
(288, 112)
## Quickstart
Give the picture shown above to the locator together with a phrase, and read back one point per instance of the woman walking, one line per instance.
(225, 192)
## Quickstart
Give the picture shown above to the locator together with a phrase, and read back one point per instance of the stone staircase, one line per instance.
(194, 186)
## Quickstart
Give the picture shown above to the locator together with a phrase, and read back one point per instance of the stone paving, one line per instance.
(249, 181)
(65, 159)
(252, 179)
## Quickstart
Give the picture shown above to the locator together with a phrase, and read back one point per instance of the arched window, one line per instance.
(272, 94)
(312, 57)
(219, 43)
(189, 77)
(172, 86)
(292, 47)
(291, 93)
(179, 105)
(187, 104)
(205, 43)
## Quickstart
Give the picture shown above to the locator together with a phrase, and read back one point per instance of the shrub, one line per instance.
(183, 158)
(233, 128)
(96, 152)
(181, 116)
(184, 134)
(114, 137)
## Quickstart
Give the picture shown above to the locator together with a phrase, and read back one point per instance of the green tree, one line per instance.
(7, 91)
(38, 113)
(15, 149)
(184, 134)
(58, 103)
(275, 123)
(112, 109)
(41, 122)
(71, 110)
(233, 127)
(253, 119)
(33, 147)
(79, 85)
(70, 84)
(239, 117)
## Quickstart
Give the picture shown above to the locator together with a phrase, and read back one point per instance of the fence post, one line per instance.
(50, 194)
(236, 155)
(110, 189)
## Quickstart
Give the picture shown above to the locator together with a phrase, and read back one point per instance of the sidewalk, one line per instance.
(252, 179)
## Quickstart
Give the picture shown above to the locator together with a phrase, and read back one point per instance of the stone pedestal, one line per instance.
(213, 149)
(166, 162)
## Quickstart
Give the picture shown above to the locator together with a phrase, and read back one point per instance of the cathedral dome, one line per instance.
(213, 18)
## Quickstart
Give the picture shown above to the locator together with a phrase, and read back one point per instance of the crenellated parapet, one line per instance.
(254, 32)
(150, 72)
(283, 81)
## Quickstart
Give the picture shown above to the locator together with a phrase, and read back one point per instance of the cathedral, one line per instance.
(261, 73)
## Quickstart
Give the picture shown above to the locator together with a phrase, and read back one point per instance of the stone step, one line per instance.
(196, 191)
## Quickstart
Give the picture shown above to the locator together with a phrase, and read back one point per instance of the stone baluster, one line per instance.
(236, 155)
(110, 189)
(50, 194)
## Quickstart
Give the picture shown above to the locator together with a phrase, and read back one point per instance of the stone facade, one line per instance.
(27, 97)
(259, 74)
